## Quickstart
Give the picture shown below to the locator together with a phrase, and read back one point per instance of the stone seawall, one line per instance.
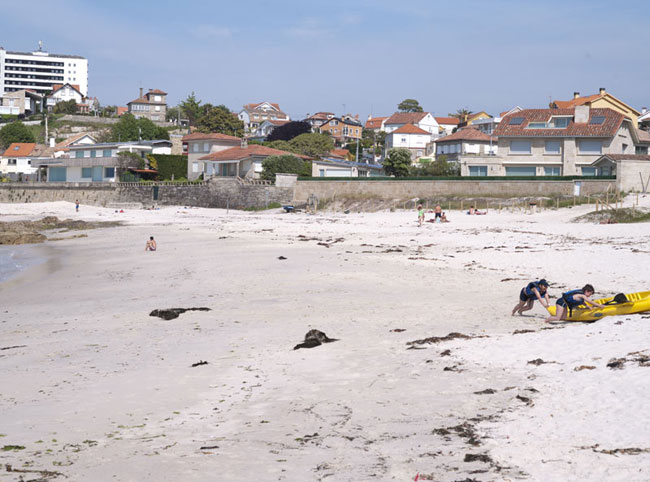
(220, 193)
(388, 190)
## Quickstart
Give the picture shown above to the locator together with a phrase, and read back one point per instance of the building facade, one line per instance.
(152, 105)
(342, 129)
(252, 115)
(40, 70)
(466, 143)
(198, 145)
(18, 161)
(410, 137)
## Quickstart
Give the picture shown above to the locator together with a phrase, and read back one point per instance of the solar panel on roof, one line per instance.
(515, 121)
(597, 120)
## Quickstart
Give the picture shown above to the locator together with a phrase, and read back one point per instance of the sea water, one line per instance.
(15, 259)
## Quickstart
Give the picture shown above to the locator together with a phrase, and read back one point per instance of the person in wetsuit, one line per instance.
(535, 290)
(572, 299)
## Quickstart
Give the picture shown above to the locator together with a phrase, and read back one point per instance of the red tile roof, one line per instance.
(321, 115)
(255, 106)
(447, 120)
(566, 104)
(410, 129)
(467, 134)
(644, 136)
(631, 157)
(157, 91)
(20, 149)
(200, 136)
(279, 122)
(608, 128)
(406, 118)
(375, 122)
(239, 153)
(340, 153)
(72, 140)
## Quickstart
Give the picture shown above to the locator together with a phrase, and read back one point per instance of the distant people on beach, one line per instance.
(476, 212)
(438, 213)
(151, 244)
(443, 218)
(76, 205)
(420, 215)
(572, 299)
(529, 293)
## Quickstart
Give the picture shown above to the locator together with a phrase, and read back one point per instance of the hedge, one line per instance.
(462, 178)
(169, 164)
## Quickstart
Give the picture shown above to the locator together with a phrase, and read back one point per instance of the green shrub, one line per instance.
(171, 164)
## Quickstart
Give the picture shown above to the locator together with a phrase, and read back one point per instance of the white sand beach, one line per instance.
(93, 388)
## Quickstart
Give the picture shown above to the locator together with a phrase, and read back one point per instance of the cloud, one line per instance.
(211, 31)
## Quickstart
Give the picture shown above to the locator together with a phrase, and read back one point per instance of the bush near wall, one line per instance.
(460, 178)
(169, 164)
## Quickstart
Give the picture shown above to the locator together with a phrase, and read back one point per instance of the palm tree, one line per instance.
(462, 114)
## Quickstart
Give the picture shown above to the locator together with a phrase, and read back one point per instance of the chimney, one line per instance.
(581, 115)
(140, 93)
(644, 110)
(602, 91)
(576, 95)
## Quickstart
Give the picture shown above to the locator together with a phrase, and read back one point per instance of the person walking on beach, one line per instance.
(529, 293)
(76, 205)
(151, 244)
(572, 299)
(420, 215)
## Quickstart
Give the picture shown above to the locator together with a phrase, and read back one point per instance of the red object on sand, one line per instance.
(417, 476)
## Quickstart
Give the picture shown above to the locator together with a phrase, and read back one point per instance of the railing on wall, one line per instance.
(161, 183)
(244, 181)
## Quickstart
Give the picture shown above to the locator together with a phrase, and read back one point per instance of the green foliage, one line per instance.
(172, 114)
(461, 114)
(312, 145)
(109, 110)
(169, 165)
(15, 132)
(409, 105)
(438, 168)
(130, 159)
(128, 128)
(191, 108)
(280, 145)
(284, 164)
(66, 107)
(398, 162)
(219, 119)
(288, 131)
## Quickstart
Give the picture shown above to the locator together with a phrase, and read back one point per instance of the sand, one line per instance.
(95, 389)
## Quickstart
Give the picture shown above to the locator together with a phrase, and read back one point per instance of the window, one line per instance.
(623, 148)
(520, 147)
(206, 147)
(57, 174)
(590, 147)
(195, 167)
(157, 108)
(536, 125)
(478, 170)
(642, 150)
(157, 98)
(79, 154)
(195, 147)
(403, 139)
(521, 171)
(321, 173)
(86, 172)
(560, 122)
(106, 153)
(11, 162)
(93, 153)
(552, 147)
(597, 120)
(516, 121)
(552, 171)
(109, 172)
(588, 171)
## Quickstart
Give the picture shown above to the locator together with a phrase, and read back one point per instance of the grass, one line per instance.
(12, 448)
(618, 216)
(270, 206)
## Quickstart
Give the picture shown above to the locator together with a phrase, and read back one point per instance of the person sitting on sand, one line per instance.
(151, 244)
(572, 299)
(420, 215)
(528, 294)
(443, 218)
(438, 213)
(471, 211)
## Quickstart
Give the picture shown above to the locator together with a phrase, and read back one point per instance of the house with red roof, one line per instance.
(198, 144)
(343, 129)
(376, 124)
(243, 161)
(424, 120)
(466, 142)
(602, 99)
(16, 160)
(64, 93)
(555, 142)
(447, 125)
(411, 137)
(265, 128)
(152, 105)
(316, 120)
(252, 115)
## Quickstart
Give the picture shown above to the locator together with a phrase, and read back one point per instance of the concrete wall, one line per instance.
(629, 174)
(89, 119)
(426, 189)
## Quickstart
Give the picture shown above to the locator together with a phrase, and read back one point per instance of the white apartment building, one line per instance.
(40, 70)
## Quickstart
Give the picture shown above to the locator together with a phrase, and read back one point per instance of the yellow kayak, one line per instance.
(637, 303)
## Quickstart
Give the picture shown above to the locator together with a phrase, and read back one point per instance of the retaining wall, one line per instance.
(442, 189)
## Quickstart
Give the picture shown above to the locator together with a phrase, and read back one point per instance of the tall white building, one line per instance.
(40, 70)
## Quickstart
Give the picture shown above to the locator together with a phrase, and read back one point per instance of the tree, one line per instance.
(288, 131)
(15, 132)
(191, 108)
(109, 110)
(439, 168)
(312, 145)
(219, 119)
(285, 164)
(398, 162)
(462, 114)
(173, 114)
(128, 128)
(409, 105)
(279, 145)
(66, 107)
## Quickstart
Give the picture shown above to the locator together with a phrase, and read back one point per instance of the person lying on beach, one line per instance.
(533, 290)
(420, 215)
(572, 299)
(151, 244)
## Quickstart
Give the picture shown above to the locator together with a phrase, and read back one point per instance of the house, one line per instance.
(197, 144)
(252, 115)
(410, 137)
(121, 111)
(336, 167)
(265, 128)
(632, 171)
(644, 119)
(466, 142)
(343, 129)
(488, 124)
(602, 100)
(446, 125)
(152, 105)
(316, 120)
(97, 162)
(64, 93)
(555, 142)
(342, 154)
(376, 124)
(21, 102)
(424, 120)
(18, 161)
(244, 161)
(58, 150)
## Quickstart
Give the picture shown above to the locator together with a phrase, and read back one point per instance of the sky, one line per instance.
(356, 56)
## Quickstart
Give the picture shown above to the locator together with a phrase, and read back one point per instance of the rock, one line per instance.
(314, 338)
(171, 313)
